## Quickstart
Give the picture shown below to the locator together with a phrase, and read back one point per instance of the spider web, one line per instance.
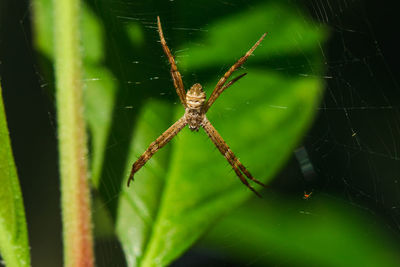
(350, 152)
(353, 143)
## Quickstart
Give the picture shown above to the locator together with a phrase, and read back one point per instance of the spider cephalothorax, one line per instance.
(196, 106)
(195, 99)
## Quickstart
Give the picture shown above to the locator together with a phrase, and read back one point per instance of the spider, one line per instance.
(306, 195)
(196, 106)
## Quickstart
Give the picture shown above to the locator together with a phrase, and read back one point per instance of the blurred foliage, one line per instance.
(321, 231)
(187, 186)
(14, 247)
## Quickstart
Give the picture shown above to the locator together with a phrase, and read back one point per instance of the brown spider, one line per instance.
(196, 106)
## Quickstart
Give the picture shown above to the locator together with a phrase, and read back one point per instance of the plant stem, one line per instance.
(75, 193)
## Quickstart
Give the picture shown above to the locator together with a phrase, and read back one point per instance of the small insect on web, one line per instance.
(196, 106)
(306, 195)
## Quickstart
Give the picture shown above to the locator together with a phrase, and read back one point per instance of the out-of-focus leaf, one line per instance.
(261, 117)
(139, 204)
(14, 247)
(99, 103)
(289, 34)
(42, 17)
(317, 232)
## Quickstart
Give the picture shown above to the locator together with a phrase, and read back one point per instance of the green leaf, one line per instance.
(14, 247)
(317, 232)
(289, 34)
(180, 193)
(139, 204)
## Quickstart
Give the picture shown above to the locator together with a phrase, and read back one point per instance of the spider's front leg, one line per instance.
(219, 88)
(237, 166)
(156, 145)
(175, 74)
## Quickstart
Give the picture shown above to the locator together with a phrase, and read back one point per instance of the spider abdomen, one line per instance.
(195, 99)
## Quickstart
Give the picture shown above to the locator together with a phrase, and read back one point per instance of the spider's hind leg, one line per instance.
(248, 174)
(230, 157)
(243, 179)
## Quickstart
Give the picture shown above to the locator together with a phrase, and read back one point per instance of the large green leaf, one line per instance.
(180, 194)
(318, 232)
(14, 247)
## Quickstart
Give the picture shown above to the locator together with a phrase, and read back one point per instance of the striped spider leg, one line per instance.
(176, 76)
(161, 141)
(219, 88)
(196, 106)
(230, 157)
(177, 126)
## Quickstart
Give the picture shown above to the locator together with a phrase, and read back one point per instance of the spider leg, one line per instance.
(219, 87)
(228, 154)
(243, 179)
(176, 76)
(161, 141)
(206, 107)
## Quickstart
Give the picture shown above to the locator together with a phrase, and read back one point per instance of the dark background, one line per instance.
(340, 167)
